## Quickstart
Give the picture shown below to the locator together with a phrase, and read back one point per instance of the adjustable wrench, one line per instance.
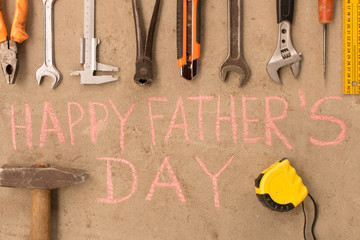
(88, 45)
(285, 53)
(49, 68)
(235, 60)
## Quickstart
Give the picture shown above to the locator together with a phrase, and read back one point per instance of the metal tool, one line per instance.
(88, 46)
(144, 73)
(8, 47)
(40, 178)
(285, 53)
(351, 46)
(235, 60)
(188, 37)
(325, 16)
(48, 68)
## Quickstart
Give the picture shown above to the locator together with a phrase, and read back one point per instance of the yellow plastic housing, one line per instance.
(281, 182)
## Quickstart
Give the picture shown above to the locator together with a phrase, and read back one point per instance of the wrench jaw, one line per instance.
(238, 66)
(49, 71)
(277, 62)
(284, 55)
(295, 68)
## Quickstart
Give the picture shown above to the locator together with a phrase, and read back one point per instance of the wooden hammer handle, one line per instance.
(40, 214)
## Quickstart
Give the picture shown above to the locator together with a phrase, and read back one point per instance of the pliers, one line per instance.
(8, 47)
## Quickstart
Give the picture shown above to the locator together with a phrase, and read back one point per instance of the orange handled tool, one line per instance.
(8, 47)
(188, 36)
(326, 8)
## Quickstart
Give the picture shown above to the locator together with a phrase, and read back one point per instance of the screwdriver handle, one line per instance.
(285, 10)
(325, 10)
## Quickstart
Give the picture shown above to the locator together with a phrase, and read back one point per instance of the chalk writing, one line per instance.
(316, 117)
(201, 99)
(214, 178)
(177, 119)
(246, 121)
(27, 127)
(48, 110)
(152, 117)
(175, 183)
(109, 182)
(231, 118)
(122, 121)
(184, 125)
(71, 123)
(270, 125)
(94, 122)
(302, 99)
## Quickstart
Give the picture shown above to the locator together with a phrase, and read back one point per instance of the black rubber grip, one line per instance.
(198, 21)
(267, 201)
(285, 10)
(179, 28)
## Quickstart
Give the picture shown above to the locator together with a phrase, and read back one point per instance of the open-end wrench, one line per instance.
(285, 53)
(144, 73)
(235, 60)
(49, 68)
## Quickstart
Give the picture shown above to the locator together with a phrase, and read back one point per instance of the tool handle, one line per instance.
(40, 214)
(181, 31)
(197, 24)
(184, 37)
(325, 10)
(18, 33)
(285, 10)
(3, 30)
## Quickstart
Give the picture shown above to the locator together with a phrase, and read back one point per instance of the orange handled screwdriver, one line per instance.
(325, 16)
(188, 36)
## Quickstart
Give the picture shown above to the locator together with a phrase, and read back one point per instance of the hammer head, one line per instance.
(39, 176)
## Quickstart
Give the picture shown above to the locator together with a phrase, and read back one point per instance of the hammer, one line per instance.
(40, 178)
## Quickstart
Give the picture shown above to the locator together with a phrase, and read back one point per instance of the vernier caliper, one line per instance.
(88, 45)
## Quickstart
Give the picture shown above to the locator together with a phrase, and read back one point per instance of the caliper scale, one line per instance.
(88, 46)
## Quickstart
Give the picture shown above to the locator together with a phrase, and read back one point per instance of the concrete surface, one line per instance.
(331, 172)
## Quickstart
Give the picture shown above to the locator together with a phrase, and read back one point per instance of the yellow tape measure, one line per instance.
(279, 187)
(351, 47)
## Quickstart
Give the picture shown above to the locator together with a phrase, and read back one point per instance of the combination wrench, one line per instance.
(235, 60)
(49, 68)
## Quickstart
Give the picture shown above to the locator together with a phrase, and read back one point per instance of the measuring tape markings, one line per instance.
(351, 49)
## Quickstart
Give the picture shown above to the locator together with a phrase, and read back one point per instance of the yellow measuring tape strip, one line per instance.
(351, 47)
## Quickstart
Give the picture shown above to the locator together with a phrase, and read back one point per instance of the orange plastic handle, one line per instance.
(326, 8)
(182, 60)
(18, 33)
(195, 44)
(3, 31)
